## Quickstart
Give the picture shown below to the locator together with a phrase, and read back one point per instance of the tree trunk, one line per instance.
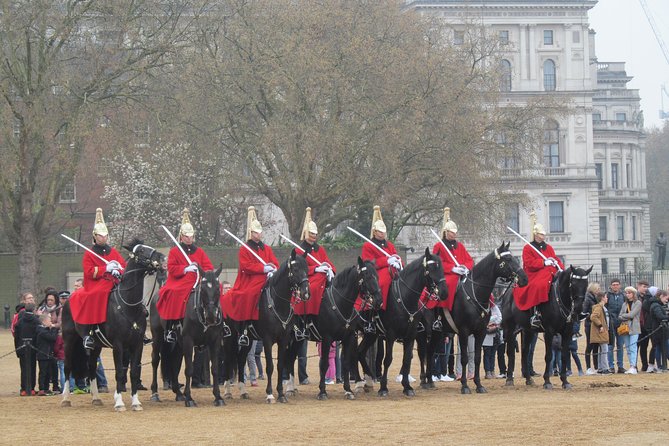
(29, 259)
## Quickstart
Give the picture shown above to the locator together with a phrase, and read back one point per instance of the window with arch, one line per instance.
(505, 68)
(549, 75)
(552, 144)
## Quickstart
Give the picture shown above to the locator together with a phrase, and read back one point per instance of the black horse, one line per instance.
(471, 309)
(339, 320)
(565, 303)
(287, 287)
(163, 355)
(123, 331)
(403, 314)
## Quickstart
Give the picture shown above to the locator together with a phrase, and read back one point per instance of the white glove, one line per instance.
(330, 274)
(461, 270)
(111, 266)
(269, 268)
(395, 262)
(550, 262)
(190, 268)
(324, 268)
(116, 273)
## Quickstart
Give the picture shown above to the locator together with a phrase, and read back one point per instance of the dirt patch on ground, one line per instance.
(521, 414)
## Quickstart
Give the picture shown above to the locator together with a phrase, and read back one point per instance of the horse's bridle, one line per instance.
(567, 313)
(432, 287)
(199, 308)
(149, 266)
(367, 298)
(295, 297)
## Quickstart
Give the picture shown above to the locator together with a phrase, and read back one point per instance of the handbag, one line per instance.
(623, 329)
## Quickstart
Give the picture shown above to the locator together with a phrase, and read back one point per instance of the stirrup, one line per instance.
(300, 334)
(420, 327)
(226, 330)
(535, 322)
(170, 337)
(147, 341)
(437, 325)
(243, 340)
(369, 328)
(89, 342)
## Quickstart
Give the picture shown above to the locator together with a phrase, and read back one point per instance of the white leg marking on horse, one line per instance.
(242, 388)
(66, 394)
(270, 399)
(136, 405)
(118, 402)
(369, 382)
(94, 389)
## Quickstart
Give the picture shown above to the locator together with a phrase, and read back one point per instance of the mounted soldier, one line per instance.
(382, 252)
(241, 302)
(101, 273)
(319, 274)
(541, 264)
(182, 277)
(456, 261)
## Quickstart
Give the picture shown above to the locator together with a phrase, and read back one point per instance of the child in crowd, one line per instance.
(45, 342)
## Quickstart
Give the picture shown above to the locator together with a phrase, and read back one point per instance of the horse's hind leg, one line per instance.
(323, 365)
(135, 370)
(269, 370)
(510, 344)
(478, 347)
(361, 351)
(119, 406)
(463, 340)
(387, 361)
(566, 340)
(406, 367)
(213, 355)
(526, 368)
(548, 356)
(281, 364)
(155, 363)
(188, 358)
(348, 351)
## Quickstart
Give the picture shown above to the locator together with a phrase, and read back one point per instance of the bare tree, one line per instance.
(62, 61)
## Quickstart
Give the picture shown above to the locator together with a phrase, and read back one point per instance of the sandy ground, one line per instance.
(611, 410)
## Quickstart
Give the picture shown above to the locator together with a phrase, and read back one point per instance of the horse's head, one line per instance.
(433, 272)
(298, 276)
(368, 282)
(210, 296)
(578, 285)
(145, 256)
(508, 267)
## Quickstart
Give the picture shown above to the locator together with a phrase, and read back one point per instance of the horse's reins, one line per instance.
(354, 313)
(564, 311)
(486, 309)
(422, 304)
(293, 287)
(199, 309)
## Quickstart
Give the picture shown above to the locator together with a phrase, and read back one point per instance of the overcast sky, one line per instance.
(624, 35)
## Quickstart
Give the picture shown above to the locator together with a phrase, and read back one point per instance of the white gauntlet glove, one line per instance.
(269, 268)
(190, 268)
(111, 266)
(322, 268)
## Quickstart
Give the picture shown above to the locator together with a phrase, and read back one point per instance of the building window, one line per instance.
(620, 227)
(513, 217)
(576, 37)
(621, 117)
(549, 75)
(69, 192)
(556, 216)
(633, 227)
(614, 175)
(628, 175)
(596, 117)
(505, 68)
(504, 37)
(598, 174)
(605, 266)
(548, 37)
(552, 145)
(603, 232)
(458, 37)
(622, 267)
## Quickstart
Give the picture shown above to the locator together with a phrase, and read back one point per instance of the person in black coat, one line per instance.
(44, 343)
(657, 325)
(26, 331)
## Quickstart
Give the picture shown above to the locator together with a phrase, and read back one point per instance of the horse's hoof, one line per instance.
(548, 386)
(567, 386)
(283, 399)
(119, 408)
(191, 403)
(219, 402)
(180, 398)
(322, 396)
(383, 393)
(367, 388)
(424, 386)
(409, 392)
(137, 408)
(227, 396)
(290, 393)
(529, 382)
(465, 391)
(509, 383)
(431, 385)
(97, 402)
(481, 389)
(270, 400)
(350, 396)
(155, 398)
(244, 396)
(66, 403)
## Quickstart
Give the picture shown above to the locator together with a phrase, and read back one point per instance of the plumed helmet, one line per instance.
(537, 228)
(309, 225)
(252, 223)
(186, 226)
(100, 228)
(377, 221)
(449, 225)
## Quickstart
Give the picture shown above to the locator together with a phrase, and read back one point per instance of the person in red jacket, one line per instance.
(182, 276)
(319, 275)
(89, 303)
(540, 273)
(385, 266)
(452, 271)
(241, 302)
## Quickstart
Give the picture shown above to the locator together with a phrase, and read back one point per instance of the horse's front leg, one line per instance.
(214, 351)
(478, 347)
(188, 358)
(463, 341)
(406, 367)
(548, 356)
(289, 369)
(119, 406)
(387, 361)
(565, 355)
(323, 365)
(526, 368)
(282, 350)
(92, 375)
(510, 344)
(269, 369)
(348, 361)
(422, 347)
(368, 384)
(135, 371)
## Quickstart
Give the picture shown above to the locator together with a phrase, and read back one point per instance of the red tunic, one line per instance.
(370, 252)
(89, 303)
(539, 277)
(462, 256)
(241, 302)
(174, 294)
(317, 281)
